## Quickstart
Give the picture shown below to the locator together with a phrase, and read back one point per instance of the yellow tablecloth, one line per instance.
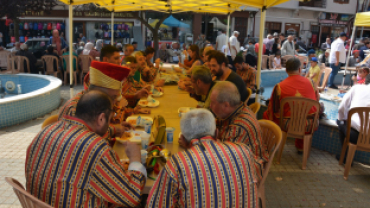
(172, 99)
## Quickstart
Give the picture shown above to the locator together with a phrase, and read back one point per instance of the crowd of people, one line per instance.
(72, 163)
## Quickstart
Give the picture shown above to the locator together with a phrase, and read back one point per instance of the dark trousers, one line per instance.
(353, 137)
(334, 72)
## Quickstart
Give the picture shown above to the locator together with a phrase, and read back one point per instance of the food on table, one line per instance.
(143, 102)
(137, 134)
(132, 122)
(126, 136)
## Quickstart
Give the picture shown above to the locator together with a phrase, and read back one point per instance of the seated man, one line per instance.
(355, 58)
(248, 74)
(293, 86)
(324, 58)
(145, 74)
(218, 64)
(104, 77)
(149, 54)
(207, 174)
(76, 167)
(357, 96)
(237, 123)
(201, 86)
(31, 58)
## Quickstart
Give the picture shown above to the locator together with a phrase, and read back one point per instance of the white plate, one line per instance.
(142, 122)
(149, 104)
(157, 94)
(134, 138)
(183, 110)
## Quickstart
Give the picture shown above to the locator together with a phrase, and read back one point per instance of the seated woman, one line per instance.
(162, 52)
(89, 50)
(144, 74)
(194, 54)
(361, 76)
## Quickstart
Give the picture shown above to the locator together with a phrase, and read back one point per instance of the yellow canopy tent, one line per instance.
(175, 6)
(363, 20)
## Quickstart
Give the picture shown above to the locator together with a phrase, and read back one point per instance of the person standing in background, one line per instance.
(337, 57)
(221, 41)
(269, 41)
(326, 45)
(234, 44)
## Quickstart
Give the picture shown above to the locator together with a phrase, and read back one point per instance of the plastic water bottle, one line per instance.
(19, 89)
(326, 90)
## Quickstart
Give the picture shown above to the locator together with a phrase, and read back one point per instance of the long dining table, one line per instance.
(169, 103)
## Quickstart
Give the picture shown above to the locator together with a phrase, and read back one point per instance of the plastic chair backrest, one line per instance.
(271, 137)
(19, 60)
(302, 59)
(255, 107)
(327, 72)
(27, 200)
(50, 120)
(66, 59)
(4, 58)
(299, 110)
(10, 59)
(49, 62)
(85, 62)
(284, 59)
(363, 142)
(264, 62)
(271, 62)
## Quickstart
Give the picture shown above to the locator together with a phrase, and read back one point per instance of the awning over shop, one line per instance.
(362, 19)
(173, 22)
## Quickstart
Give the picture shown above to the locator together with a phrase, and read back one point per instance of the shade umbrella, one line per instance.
(175, 6)
(217, 24)
(173, 22)
(362, 19)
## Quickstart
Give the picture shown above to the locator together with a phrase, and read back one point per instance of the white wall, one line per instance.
(304, 18)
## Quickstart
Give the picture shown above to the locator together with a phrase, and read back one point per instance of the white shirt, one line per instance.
(221, 41)
(224, 48)
(357, 96)
(234, 42)
(337, 45)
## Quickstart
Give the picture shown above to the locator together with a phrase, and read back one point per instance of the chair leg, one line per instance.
(65, 78)
(306, 150)
(281, 147)
(350, 156)
(262, 196)
(342, 154)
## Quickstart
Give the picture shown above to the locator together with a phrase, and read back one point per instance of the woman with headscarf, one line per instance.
(89, 50)
(57, 42)
(99, 45)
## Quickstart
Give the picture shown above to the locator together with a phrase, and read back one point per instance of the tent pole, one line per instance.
(71, 71)
(227, 33)
(112, 28)
(348, 54)
(260, 48)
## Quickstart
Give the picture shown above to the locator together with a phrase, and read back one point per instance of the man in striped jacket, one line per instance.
(69, 164)
(207, 174)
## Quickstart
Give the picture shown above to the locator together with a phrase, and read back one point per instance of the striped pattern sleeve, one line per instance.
(114, 185)
(164, 192)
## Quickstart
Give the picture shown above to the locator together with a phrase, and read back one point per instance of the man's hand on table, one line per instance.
(138, 110)
(123, 127)
(143, 93)
(133, 152)
(160, 83)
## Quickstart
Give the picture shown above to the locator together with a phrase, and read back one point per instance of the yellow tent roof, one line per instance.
(206, 6)
(363, 19)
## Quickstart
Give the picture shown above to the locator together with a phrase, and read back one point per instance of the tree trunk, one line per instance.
(16, 29)
(156, 41)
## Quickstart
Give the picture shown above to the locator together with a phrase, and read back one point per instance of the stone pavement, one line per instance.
(320, 185)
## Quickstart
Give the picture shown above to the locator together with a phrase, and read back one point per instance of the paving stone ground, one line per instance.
(320, 185)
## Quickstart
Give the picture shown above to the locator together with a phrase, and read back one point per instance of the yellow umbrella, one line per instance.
(155, 22)
(174, 6)
(362, 19)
